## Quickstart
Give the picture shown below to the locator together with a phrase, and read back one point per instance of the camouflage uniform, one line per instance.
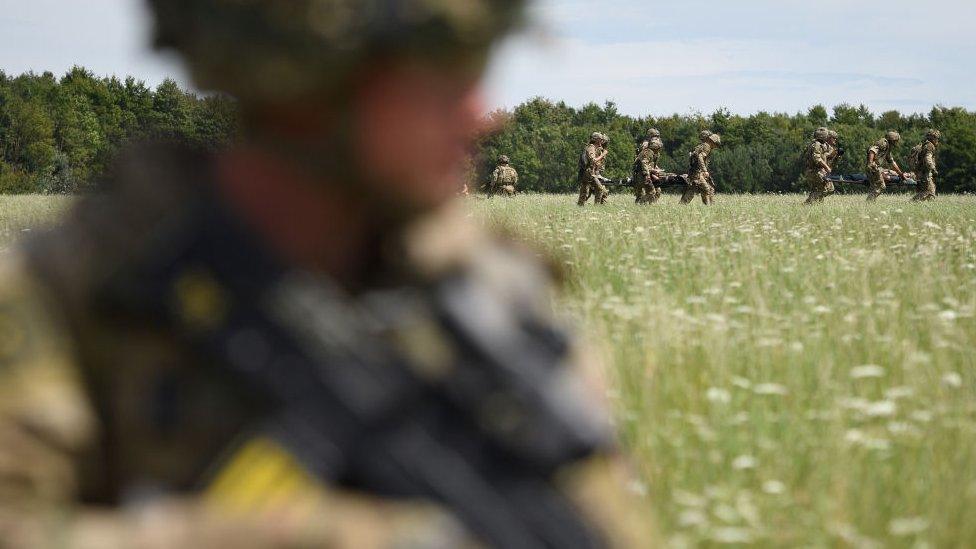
(699, 179)
(503, 180)
(883, 154)
(833, 153)
(814, 173)
(122, 423)
(926, 168)
(645, 169)
(590, 167)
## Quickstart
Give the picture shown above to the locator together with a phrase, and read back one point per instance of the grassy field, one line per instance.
(785, 375)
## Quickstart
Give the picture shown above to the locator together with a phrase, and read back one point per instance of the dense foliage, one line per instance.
(60, 135)
(761, 152)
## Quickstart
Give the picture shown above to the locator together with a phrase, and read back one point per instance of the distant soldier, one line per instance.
(922, 161)
(647, 172)
(834, 152)
(504, 179)
(882, 153)
(591, 162)
(699, 178)
(815, 165)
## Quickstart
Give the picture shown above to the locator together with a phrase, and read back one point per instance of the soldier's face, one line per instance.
(414, 126)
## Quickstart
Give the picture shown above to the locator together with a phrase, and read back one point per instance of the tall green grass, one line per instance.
(783, 375)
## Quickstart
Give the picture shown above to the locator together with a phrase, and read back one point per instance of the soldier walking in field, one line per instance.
(699, 179)
(297, 342)
(922, 161)
(504, 179)
(646, 170)
(591, 163)
(816, 167)
(879, 154)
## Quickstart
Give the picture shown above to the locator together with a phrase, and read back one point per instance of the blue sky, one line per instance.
(650, 56)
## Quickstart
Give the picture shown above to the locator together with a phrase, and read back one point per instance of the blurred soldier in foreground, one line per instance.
(296, 342)
(591, 162)
(922, 161)
(699, 179)
(879, 154)
(815, 165)
(646, 172)
(504, 179)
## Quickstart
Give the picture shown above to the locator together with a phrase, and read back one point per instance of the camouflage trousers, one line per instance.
(876, 182)
(647, 193)
(591, 187)
(926, 187)
(698, 184)
(818, 185)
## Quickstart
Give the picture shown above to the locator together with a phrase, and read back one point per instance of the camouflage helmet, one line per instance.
(715, 139)
(893, 136)
(271, 49)
(503, 159)
(596, 136)
(821, 134)
(704, 135)
(653, 132)
(655, 144)
(833, 134)
(933, 135)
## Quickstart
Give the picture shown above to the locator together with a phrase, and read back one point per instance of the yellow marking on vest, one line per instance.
(262, 476)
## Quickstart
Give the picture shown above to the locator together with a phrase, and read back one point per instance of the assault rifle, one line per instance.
(483, 430)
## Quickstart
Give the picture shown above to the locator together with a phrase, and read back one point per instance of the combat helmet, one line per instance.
(715, 139)
(503, 159)
(653, 132)
(833, 134)
(260, 50)
(821, 134)
(933, 135)
(893, 136)
(655, 144)
(596, 136)
(704, 135)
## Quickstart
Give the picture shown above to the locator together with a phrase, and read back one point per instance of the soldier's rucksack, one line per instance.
(507, 176)
(916, 158)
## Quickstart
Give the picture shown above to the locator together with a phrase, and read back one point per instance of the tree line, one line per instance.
(60, 135)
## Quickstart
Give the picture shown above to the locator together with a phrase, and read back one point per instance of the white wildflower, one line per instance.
(773, 487)
(742, 463)
(952, 380)
(882, 408)
(867, 371)
(770, 389)
(948, 315)
(730, 535)
(718, 396)
(908, 526)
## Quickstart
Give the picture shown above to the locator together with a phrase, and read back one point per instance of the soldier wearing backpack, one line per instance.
(879, 153)
(922, 160)
(816, 166)
(504, 179)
